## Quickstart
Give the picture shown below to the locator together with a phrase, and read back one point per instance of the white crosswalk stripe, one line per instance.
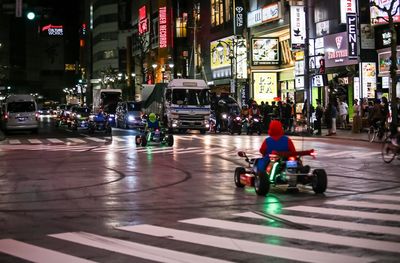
(76, 140)
(133, 249)
(36, 254)
(54, 140)
(35, 141)
(342, 228)
(14, 141)
(364, 204)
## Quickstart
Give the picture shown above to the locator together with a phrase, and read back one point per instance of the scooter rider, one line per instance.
(100, 117)
(276, 141)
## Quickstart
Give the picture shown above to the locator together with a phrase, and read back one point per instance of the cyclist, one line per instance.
(377, 118)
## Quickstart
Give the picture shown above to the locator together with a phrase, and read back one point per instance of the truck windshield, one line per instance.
(110, 101)
(190, 97)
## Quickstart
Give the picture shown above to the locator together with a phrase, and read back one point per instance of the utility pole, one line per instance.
(195, 41)
(307, 64)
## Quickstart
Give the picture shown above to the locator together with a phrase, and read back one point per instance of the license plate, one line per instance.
(21, 118)
(291, 164)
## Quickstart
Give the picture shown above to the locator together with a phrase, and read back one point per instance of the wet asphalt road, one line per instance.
(73, 196)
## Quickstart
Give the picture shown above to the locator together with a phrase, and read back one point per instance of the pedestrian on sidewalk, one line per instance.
(330, 119)
(343, 111)
(319, 112)
(356, 128)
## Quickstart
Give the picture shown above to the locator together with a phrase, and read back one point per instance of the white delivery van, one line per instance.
(19, 112)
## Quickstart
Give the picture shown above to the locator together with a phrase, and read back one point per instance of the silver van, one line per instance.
(19, 112)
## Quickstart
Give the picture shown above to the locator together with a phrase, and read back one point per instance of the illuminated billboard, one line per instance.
(265, 86)
(265, 51)
(379, 17)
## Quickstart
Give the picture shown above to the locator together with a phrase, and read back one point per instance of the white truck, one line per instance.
(183, 104)
(106, 99)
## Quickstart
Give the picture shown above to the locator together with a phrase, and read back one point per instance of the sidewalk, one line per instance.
(340, 134)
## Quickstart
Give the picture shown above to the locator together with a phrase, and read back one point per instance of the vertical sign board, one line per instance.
(352, 35)
(297, 26)
(18, 8)
(346, 6)
(239, 17)
(163, 27)
(143, 24)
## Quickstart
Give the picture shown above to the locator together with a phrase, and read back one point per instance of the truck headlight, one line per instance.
(131, 118)
(224, 116)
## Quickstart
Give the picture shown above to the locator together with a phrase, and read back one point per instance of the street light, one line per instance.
(234, 46)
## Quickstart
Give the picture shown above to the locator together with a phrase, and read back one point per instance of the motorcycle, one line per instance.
(254, 125)
(158, 136)
(235, 124)
(284, 168)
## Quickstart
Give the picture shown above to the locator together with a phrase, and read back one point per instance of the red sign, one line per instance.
(53, 30)
(163, 27)
(143, 26)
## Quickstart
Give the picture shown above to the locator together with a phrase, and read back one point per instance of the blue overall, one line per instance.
(153, 125)
(280, 145)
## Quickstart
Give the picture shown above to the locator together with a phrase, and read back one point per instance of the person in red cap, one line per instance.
(276, 141)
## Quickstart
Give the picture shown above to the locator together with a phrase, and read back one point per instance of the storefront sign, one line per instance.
(265, 51)
(254, 18)
(322, 28)
(368, 79)
(299, 68)
(143, 24)
(356, 81)
(367, 36)
(265, 86)
(297, 26)
(163, 27)
(221, 60)
(299, 82)
(53, 30)
(336, 53)
(271, 12)
(239, 17)
(384, 61)
(385, 82)
(386, 38)
(346, 6)
(318, 81)
(352, 46)
(381, 17)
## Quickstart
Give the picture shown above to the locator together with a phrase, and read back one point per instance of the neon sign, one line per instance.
(53, 30)
(143, 26)
(163, 29)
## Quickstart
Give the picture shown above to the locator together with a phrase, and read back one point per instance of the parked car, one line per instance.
(129, 115)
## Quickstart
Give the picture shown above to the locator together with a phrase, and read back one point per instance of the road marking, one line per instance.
(118, 139)
(36, 254)
(133, 249)
(285, 252)
(364, 204)
(35, 141)
(331, 223)
(76, 140)
(381, 197)
(54, 140)
(347, 213)
(14, 141)
(95, 139)
(297, 234)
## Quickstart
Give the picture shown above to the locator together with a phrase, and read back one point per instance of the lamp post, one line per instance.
(154, 66)
(233, 54)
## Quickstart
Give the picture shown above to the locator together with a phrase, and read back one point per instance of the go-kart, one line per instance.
(284, 168)
(158, 136)
(100, 125)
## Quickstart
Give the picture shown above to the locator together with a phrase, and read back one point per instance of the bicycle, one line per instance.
(377, 131)
(389, 150)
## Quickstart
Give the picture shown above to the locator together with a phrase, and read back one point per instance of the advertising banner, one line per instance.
(367, 36)
(239, 17)
(352, 46)
(297, 26)
(384, 62)
(271, 12)
(336, 51)
(379, 17)
(346, 6)
(368, 79)
(265, 86)
(265, 51)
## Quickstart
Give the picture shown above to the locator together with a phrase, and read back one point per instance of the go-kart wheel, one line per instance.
(261, 184)
(170, 140)
(138, 140)
(143, 140)
(236, 177)
(320, 181)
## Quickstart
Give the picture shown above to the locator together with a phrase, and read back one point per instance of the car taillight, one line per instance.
(5, 117)
(37, 116)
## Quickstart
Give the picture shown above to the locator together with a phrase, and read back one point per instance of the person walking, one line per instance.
(356, 128)
(343, 111)
(330, 119)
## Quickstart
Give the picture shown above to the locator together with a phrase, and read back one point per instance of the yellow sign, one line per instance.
(69, 67)
(299, 55)
(265, 86)
(220, 58)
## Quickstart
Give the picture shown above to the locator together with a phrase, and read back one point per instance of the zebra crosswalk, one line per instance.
(337, 231)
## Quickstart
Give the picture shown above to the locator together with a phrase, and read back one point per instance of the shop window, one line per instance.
(220, 12)
(181, 26)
